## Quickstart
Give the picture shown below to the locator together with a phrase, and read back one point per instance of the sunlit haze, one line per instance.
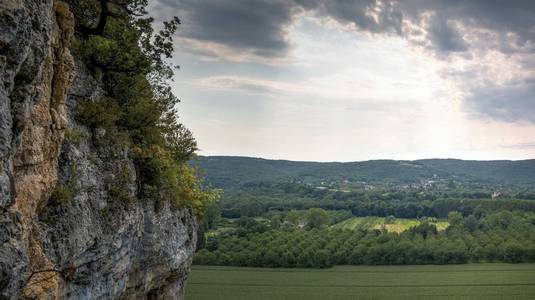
(342, 81)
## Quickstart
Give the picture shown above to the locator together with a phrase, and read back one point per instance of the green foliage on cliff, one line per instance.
(123, 51)
(63, 193)
(118, 186)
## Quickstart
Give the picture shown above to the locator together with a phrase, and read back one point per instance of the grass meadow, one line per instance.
(472, 281)
(398, 225)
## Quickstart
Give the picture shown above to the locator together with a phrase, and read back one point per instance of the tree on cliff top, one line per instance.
(117, 42)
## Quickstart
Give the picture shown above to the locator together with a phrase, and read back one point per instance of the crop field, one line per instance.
(398, 225)
(473, 281)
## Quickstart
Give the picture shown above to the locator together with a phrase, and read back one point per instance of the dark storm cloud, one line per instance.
(260, 25)
(368, 15)
(254, 25)
(502, 17)
(445, 38)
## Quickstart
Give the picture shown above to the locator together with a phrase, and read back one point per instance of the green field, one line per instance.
(474, 281)
(398, 225)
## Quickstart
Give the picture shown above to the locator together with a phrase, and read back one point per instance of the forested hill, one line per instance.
(234, 171)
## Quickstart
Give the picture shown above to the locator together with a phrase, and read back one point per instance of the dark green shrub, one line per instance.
(118, 187)
(102, 114)
(74, 136)
(61, 195)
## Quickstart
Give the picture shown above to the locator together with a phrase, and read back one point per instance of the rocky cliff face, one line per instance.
(90, 246)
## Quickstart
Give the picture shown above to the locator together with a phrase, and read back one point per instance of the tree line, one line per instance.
(258, 201)
(481, 236)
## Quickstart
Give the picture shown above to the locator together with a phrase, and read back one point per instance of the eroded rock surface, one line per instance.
(91, 246)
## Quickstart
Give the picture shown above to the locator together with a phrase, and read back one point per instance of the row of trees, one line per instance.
(253, 206)
(499, 236)
(257, 199)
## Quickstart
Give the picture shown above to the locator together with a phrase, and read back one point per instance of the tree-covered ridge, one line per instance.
(405, 189)
(232, 171)
(117, 43)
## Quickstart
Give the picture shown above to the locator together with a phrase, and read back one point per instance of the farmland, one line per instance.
(472, 281)
(397, 225)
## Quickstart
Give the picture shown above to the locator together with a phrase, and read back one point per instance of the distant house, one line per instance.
(495, 195)
(368, 187)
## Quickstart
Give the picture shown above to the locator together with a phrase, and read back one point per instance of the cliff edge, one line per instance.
(88, 245)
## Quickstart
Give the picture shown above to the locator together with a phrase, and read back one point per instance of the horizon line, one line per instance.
(367, 160)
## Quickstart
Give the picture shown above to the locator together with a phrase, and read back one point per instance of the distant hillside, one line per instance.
(233, 171)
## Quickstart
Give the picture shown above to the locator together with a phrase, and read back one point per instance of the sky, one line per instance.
(348, 80)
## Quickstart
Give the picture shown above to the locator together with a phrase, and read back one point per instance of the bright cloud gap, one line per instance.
(330, 81)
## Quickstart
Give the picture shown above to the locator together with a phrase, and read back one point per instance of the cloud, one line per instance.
(369, 15)
(462, 30)
(527, 145)
(514, 102)
(261, 26)
(244, 85)
(213, 51)
(308, 93)
(513, 22)
(445, 37)
(258, 26)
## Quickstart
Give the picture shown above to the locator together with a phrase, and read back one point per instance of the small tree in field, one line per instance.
(293, 217)
(317, 218)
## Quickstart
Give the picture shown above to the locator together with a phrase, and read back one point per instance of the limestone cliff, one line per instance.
(91, 246)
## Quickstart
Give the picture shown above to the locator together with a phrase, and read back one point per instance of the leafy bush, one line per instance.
(103, 114)
(62, 194)
(118, 186)
(74, 136)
